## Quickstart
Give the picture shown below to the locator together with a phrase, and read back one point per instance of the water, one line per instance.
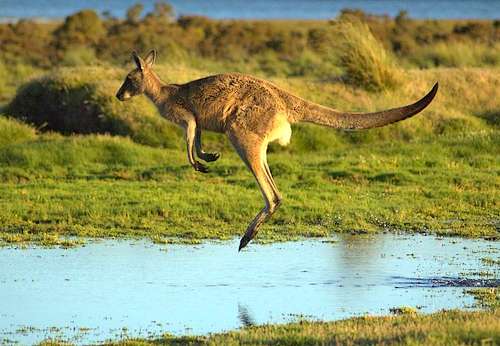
(114, 289)
(312, 9)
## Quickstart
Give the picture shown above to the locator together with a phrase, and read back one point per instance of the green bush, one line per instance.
(82, 28)
(365, 61)
(83, 101)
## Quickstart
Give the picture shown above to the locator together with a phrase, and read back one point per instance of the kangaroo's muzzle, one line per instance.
(123, 95)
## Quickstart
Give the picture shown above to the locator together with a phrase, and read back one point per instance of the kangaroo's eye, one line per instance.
(133, 78)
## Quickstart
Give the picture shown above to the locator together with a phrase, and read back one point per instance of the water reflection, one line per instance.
(355, 258)
(245, 317)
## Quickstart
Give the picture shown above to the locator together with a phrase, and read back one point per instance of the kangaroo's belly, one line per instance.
(211, 123)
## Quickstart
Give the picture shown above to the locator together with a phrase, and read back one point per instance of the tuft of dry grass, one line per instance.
(364, 59)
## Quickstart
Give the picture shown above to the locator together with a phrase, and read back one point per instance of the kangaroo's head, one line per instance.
(136, 80)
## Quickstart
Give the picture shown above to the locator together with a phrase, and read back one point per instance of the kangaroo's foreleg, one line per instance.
(253, 153)
(190, 133)
(208, 157)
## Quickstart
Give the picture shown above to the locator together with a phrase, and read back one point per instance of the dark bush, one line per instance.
(82, 101)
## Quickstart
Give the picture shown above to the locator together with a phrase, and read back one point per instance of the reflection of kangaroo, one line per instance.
(252, 112)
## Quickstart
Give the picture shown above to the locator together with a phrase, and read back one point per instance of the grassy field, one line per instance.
(100, 186)
(438, 172)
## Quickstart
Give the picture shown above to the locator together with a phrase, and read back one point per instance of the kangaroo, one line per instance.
(252, 113)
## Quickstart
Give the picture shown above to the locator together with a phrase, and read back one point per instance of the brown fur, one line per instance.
(251, 112)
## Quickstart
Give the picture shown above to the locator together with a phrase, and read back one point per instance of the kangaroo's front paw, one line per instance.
(210, 157)
(200, 167)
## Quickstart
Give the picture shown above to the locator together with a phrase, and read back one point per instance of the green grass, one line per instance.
(441, 328)
(13, 131)
(101, 186)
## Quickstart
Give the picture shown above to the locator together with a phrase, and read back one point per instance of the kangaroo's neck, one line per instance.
(154, 88)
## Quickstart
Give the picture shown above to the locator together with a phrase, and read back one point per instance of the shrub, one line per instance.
(82, 28)
(364, 60)
(134, 13)
(82, 101)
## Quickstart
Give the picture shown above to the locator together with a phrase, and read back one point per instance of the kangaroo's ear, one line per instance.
(150, 58)
(138, 61)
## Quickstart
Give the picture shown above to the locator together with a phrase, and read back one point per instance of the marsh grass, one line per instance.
(441, 328)
(486, 298)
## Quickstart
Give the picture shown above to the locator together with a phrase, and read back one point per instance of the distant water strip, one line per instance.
(10, 10)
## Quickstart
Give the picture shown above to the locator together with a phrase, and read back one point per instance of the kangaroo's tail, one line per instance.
(315, 113)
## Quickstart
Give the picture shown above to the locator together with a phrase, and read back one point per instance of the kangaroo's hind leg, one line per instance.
(252, 151)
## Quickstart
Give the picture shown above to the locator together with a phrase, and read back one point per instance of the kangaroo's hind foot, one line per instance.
(209, 157)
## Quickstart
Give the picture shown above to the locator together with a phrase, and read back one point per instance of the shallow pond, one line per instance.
(114, 289)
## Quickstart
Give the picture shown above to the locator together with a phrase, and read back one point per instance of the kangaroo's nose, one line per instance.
(119, 96)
